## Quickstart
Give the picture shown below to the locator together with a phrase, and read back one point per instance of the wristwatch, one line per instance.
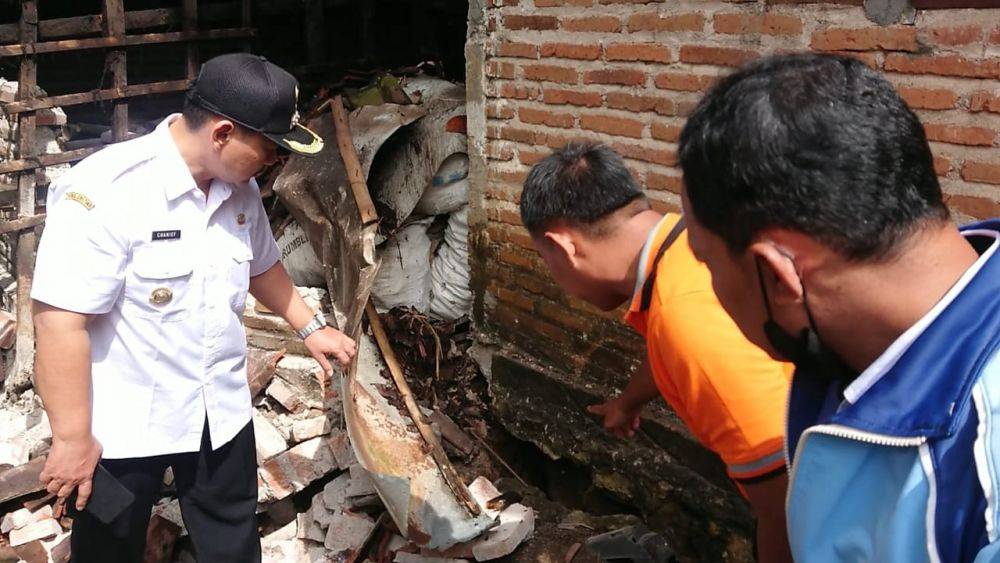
(318, 321)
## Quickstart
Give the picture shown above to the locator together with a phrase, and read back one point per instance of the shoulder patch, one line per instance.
(81, 199)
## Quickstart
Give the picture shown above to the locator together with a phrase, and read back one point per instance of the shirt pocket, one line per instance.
(159, 286)
(239, 272)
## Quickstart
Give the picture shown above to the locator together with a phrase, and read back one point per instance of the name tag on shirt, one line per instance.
(166, 235)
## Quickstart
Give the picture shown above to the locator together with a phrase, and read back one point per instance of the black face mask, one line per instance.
(807, 351)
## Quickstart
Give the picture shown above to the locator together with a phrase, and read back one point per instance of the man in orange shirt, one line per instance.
(603, 243)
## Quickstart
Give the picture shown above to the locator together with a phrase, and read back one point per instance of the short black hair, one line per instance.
(194, 115)
(815, 143)
(581, 183)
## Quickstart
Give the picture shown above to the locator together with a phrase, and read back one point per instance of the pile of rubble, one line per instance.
(316, 502)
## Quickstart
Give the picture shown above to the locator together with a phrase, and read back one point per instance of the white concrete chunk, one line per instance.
(361, 482)
(41, 530)
(269, 441)
(517, 523)
(347, 531)
(15, 453)
(303, 430)
(22, 517)
(483, 491)
(286, 395)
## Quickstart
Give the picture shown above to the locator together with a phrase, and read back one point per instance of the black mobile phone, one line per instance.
(108, 498)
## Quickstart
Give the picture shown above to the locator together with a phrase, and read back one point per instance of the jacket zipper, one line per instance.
(847, 433)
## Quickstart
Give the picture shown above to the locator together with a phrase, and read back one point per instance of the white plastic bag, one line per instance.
(299, 259)
(448, 190)
(451, 296)
(403, 277)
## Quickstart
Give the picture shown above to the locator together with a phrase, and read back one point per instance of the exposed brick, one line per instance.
(534, 22)
(685, 107)
(497, 69)
(639, 103)
(571, 51)
(517, 299)
(516, 177)
(521, 91)
(550, 73)
(548, 3)
(518, 135)
(563, 316)
(523, 50)
(766, 24)
(724, 56)
(985, 101)
(684, 81)
(647, 153)
(978, 207)
(499, 110)
(665, 132)
(663, 182)
(497, 151)
(592, 23)
(944, 65)
(870, 59)
(926, 98)
(995, 35)
(960, 135)
(655, 21)
(942, 166)
(985, 172)
(866, 39)
(954, 36)
(647, 52)
(530, 157)
(612, 125)
(560, 96)
(622, 76)
(544, 117)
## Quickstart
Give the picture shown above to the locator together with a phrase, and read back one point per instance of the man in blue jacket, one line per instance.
(811, 196)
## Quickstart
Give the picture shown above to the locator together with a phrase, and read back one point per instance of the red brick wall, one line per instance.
(627, 72)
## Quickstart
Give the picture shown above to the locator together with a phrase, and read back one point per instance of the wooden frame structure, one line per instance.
(31, 37)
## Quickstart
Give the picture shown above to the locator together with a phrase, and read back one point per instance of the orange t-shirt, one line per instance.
(729, 392)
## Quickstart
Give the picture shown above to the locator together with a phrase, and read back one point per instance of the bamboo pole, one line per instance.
(351, 163)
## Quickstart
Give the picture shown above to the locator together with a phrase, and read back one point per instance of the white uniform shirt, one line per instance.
(164, 270)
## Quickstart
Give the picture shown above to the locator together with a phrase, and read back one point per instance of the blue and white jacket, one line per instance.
(908, 468)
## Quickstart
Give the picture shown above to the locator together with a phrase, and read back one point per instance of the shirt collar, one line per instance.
(647, 249)
(874, 372)
(176, 179)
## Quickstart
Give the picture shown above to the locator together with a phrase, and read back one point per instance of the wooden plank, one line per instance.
(24, 260)
(44, 160)
(99, 95)
(21, 224)
(126, 41)
(116, 61)
(190, 17)
(60, 28)
(350, 156)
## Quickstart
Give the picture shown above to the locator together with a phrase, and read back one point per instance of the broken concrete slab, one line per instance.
(335, 492)
(41, 530)
(307, 528)
(261, 367)
(286, 395)
(348, 531)
(360, 482)
(342, 449)
(269, 441)
(292, 470)
(305, 429)
(517, 522)
(22, 517)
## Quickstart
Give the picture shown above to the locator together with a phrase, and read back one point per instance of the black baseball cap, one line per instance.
(257, 94)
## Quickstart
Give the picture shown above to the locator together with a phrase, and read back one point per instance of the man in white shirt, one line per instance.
(149, 251)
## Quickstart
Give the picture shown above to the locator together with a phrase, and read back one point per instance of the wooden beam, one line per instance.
(41, 161)
(114, 28)
(98, 96)
(190, 17)
(126, 41)
(24, 260)
(350, 156)
(21, 224)
(60, 28)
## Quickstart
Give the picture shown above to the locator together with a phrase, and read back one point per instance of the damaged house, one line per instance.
(460, 431)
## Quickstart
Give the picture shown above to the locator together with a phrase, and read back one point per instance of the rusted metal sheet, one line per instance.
(385, 440)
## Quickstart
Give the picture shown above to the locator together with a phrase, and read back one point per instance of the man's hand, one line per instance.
(330, 342)
(619, 419)
(70, 466)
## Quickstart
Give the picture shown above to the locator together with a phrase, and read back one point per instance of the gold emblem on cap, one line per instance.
(161, 296)
(241, 219)
(314, 146)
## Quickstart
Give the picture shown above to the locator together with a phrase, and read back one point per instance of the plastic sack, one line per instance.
(451, 296)
(448, 189)
(403, 277)
(299, 259)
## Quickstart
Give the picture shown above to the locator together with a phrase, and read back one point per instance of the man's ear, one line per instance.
(222, 132)
(781, 278)
(563, 243)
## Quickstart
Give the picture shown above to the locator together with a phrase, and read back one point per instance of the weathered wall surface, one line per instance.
(627, 72)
